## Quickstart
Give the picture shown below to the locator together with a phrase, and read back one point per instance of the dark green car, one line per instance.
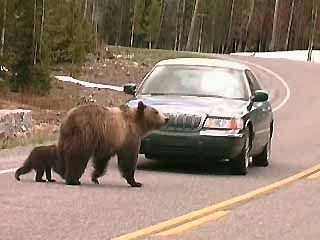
(217, 110)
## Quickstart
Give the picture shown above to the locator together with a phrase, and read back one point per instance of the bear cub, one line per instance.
(42, 159)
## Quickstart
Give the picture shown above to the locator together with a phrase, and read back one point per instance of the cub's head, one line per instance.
(150, 118)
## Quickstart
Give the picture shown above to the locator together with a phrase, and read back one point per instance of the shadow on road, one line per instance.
(185, 166)
(84, 183)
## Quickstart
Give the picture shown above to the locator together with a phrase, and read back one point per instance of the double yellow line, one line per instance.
(215, 211)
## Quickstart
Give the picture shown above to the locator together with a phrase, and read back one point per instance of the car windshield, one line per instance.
(195, 81)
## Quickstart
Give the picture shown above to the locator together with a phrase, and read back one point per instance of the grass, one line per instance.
(40, 138)
(59, 98)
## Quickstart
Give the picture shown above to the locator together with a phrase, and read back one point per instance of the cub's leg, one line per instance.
(39, 175)
(127, 162)
(99, 164)
(48, 175)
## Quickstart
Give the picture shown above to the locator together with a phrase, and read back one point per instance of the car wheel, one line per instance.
(149, 156)
(240, 164)
(263, 159)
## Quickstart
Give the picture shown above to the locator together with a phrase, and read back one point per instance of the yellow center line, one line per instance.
(217, 207)
(314, 176)
(190, 225)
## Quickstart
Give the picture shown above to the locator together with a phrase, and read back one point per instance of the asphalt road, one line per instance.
(30, 210)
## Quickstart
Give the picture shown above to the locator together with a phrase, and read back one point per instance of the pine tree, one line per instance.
(23, 46)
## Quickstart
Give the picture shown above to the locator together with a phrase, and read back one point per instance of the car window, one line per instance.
(196, 81)
(253, 82)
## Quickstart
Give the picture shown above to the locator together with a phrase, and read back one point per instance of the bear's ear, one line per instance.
(141, 106)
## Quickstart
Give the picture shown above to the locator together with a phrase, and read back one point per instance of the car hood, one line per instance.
(210, 106)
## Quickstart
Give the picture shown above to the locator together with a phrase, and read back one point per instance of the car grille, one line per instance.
(183, 122)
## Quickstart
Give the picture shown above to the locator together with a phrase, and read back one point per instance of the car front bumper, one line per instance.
(204, 144)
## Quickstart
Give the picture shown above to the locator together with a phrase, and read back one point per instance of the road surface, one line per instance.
(30, 210)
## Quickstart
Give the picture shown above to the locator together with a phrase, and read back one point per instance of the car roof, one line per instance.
(211, 62)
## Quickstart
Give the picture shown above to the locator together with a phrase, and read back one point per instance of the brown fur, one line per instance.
(93, 130)
(42, 159)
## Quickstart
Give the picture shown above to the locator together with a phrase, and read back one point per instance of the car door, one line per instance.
(260, 115)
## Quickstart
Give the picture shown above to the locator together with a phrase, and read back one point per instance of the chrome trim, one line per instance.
(263, 131)
(218, 133)
(177, 119)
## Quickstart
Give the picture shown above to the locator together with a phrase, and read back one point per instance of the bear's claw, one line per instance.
(94, 180)
(73, 183)
(136, 184)
(40, 180)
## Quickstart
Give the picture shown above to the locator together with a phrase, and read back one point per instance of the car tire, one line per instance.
(240, 164)
(263, 159)
(150, 156)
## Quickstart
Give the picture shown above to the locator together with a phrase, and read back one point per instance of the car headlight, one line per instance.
(224, 123)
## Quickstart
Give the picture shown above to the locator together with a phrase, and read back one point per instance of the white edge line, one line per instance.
(8, 170)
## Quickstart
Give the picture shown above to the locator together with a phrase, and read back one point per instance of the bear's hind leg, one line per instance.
(39, 175)
(99, 164)
(48, 175)
(127, 165)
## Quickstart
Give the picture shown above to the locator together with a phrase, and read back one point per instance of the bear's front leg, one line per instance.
(127, 162)
(132, 182)
(71, 179)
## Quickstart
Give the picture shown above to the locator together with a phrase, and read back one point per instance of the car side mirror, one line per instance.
(260, 96)
(130, 88)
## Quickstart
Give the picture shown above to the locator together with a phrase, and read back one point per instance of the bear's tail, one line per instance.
(23, 170)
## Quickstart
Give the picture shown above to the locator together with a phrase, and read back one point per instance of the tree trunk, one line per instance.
(163, 13)
(315, 17)
(200, 34)
(85, 9)
(212, 47)
(177, 26)
(133, 23)
(100, 8)
(230, 27)
(246, 34)
(96, 37)
(34, 34)
(289, 25)
(297, 27)
(275, 26)
(120, 24)
(150, 40)
(42, 24)
(3, 32)
(181, 24)
(189, 46)
(93, 11)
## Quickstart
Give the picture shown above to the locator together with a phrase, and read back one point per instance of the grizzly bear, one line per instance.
(102, 132)
(41, 159)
